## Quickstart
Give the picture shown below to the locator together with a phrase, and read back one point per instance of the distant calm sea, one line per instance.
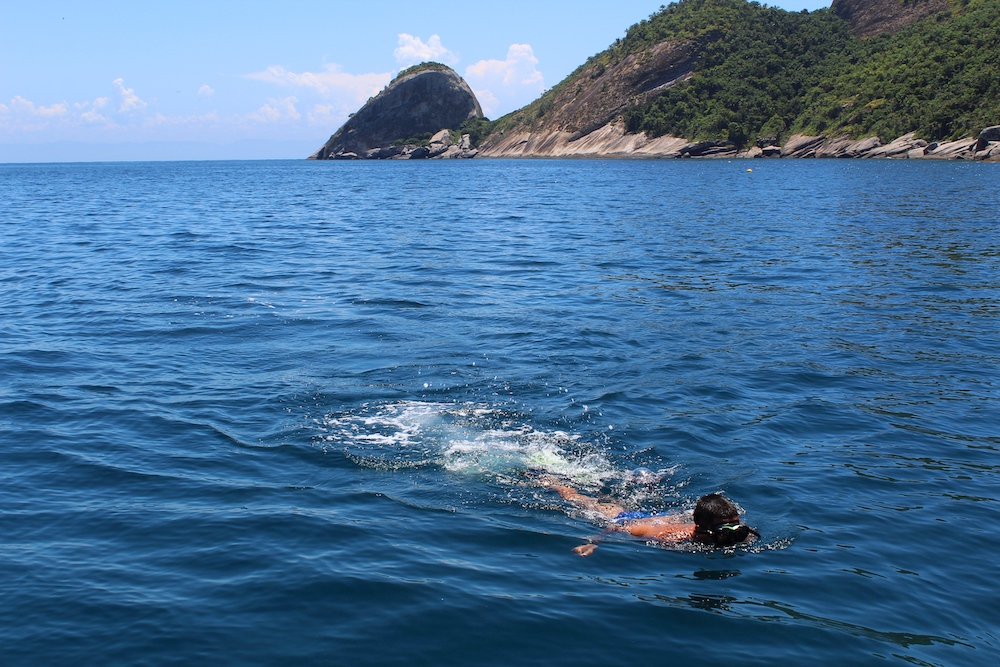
(294, 412)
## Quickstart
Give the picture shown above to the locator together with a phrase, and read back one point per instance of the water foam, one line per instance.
(463, 438)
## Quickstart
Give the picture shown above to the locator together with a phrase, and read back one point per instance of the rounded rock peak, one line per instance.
(422, 99)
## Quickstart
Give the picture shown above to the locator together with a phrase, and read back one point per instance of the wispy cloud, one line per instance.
(24, 116)
(90, 112)
(129, 117)
(327, 115)
(488, 101)
(206, 91)
(25, 107)
(331, 82)
(509, 83)
(277, 110)
(412, 51)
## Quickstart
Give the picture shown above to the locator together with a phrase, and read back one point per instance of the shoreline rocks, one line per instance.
(611, 141)
(985, 147)
(441, 146)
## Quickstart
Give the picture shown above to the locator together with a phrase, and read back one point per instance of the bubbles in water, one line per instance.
(643, 476)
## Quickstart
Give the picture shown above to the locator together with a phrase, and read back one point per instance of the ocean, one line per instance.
(291, 412)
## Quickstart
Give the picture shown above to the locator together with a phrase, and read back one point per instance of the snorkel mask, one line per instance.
(728, 533)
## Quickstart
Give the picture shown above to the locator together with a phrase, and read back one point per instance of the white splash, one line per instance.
(464, 438)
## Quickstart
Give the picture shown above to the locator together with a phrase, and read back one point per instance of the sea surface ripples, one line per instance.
(267, 412)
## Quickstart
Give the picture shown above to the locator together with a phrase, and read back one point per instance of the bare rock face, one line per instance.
(423, 101)
(873, 17)
(800, 145)
(603, 93)
(581, 119)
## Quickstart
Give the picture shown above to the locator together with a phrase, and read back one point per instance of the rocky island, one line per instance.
(411, 118)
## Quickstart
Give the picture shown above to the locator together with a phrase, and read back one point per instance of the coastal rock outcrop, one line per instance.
(904, 147)
(611, 140)
(423, 100)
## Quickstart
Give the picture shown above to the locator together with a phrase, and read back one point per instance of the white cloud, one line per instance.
(206, 90)
(488, 101)
(130, 101)
(506, 84)
(327, 115)
(276, 110)
(331, 82)
(26, 107)
(412, 51)
(90, 111)
(24, 117)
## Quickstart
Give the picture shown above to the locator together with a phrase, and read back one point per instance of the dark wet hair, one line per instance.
(714, 524)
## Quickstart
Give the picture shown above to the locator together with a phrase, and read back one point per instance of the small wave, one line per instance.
(403, 304)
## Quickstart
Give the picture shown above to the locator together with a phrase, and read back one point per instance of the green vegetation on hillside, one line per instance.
(766, 72)
(477, 129)
(939, 77)
(755, 67)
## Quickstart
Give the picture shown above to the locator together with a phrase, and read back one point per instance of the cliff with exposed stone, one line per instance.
(874, 17)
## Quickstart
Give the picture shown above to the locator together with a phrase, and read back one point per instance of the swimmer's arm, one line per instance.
(666, 529)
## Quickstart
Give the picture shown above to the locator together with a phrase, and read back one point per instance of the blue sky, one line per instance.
(106, 79)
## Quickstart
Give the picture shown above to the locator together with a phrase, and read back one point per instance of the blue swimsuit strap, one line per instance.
(631, 516)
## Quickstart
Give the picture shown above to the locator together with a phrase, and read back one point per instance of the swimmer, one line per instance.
(716, 520)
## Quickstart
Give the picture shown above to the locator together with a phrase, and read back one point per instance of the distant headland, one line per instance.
(727, 78)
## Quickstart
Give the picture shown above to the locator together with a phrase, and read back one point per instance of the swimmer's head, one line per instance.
(717, 521)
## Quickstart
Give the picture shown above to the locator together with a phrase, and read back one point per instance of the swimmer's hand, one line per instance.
(585, 549)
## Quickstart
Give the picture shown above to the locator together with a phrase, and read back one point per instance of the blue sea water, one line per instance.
(295, 412)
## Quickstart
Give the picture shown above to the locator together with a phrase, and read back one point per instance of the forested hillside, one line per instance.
(742, 71)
